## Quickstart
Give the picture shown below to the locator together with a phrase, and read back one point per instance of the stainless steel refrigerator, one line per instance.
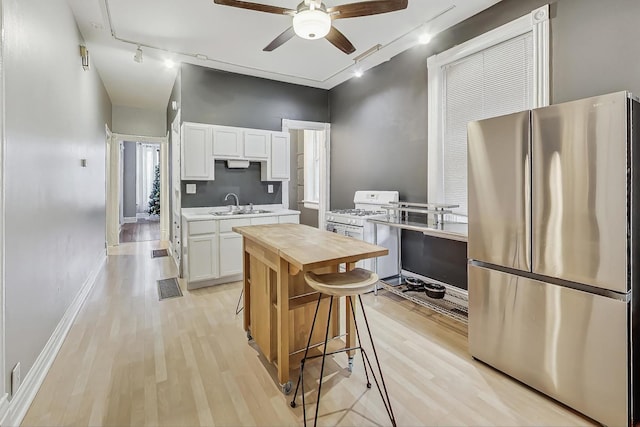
(553, 251)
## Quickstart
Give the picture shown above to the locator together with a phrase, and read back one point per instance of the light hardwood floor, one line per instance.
(140, 231)
(130, 359)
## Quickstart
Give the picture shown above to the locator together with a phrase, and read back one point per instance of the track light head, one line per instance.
(138, 56)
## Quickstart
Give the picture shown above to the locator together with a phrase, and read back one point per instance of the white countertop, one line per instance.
(203, 214)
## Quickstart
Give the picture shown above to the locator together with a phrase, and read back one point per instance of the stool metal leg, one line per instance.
(362, 352)
(375, 354)
(238, 308)
(365, 361)
(386, 400)
(324, 354)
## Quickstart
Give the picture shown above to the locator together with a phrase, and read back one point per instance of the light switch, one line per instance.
(191, 189)
(270, 188)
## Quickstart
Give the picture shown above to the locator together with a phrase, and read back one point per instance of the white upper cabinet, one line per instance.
(279, 164)
(227, 142)
(202, 144)
(197, 159)
(256, 144)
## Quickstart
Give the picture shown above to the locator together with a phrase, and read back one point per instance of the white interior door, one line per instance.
(121, 187)
(164, 191)
(113, 190)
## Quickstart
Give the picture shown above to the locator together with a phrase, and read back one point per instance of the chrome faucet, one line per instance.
(234, 195)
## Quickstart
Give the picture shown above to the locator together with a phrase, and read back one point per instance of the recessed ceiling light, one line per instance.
(202, 57)
(424, 38)
(169, 63)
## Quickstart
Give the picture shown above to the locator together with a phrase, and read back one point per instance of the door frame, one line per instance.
(4, 393)
(324, 203)
(113, 184)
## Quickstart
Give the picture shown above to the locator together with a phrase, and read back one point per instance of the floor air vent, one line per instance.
(169, 288)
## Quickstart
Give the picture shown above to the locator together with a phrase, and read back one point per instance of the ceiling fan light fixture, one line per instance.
(311, 24)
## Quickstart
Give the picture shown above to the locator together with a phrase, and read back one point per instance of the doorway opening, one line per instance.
(137, 196)
(140, 192)
(309, 187)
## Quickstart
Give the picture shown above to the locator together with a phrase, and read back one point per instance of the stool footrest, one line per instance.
(332, 352)
(304, 299)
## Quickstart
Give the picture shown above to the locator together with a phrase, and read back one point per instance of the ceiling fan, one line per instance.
(312, 19)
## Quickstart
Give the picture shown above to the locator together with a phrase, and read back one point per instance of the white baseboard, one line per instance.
(4, 409)
(15, 411)
(129, 220)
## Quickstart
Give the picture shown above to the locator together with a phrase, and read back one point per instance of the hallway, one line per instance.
(130, 359)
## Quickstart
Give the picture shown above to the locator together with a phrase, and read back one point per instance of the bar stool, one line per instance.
(348, 284)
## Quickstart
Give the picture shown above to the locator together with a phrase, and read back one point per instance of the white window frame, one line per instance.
(536, 22)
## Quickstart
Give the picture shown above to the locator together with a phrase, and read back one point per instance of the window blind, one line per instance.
(489, 83)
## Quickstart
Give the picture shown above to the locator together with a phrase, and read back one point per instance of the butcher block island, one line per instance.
(278, 304)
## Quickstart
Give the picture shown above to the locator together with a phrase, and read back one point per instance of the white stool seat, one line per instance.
(349, 283)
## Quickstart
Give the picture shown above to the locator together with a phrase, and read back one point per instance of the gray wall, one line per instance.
(595, 48)
(379, 133)
(381, 118)
(243, 182)
(129, 180)
(55, 209)
(139, 121)
(221, 98)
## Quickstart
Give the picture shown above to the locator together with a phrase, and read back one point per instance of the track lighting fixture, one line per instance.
(84, 54)
(138, 56)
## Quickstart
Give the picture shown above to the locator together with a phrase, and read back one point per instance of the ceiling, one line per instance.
(203, 33)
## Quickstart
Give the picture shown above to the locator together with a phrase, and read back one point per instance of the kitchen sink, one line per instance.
(240, 212)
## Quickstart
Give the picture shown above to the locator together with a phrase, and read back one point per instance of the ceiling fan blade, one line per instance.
(338, 39)
(280, 40)
(366, 8)
(256, 6)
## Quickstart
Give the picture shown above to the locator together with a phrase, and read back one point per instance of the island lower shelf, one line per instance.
(262, 316)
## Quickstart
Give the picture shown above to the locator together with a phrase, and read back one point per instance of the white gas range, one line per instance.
(353, 223)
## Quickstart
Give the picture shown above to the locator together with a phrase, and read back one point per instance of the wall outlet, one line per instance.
(191, 189)
(270, 188)
(15, 379)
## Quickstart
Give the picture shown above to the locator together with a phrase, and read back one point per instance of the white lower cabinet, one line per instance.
(231, 246)
(230, 254)
(289, 219)
(262, 220)
(203, 260)
(215, 251)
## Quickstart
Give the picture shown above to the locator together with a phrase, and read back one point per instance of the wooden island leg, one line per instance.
(282, 313)
(246, 268)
